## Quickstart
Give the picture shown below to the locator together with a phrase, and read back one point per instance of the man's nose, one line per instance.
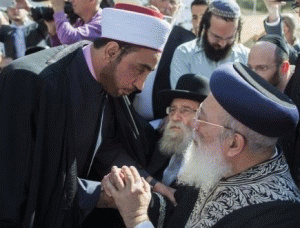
(222, 43)
(139, 84)
(176, 116)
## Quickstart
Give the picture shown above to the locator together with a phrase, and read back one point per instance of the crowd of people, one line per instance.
(112, 115)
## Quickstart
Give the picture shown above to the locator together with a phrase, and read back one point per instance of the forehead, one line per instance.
(144, 57)
(185, 103)
(222, 27)
(262, 52)
(198, 9)
(211, 108)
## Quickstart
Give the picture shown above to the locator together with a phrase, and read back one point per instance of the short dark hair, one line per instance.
(280, 56)
(205, 23)
(199, 2)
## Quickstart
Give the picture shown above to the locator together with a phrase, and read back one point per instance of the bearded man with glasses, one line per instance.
(217, 42)
(233, 174)
(181, 105)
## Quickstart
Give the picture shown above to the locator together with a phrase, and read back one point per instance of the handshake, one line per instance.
(126, 190)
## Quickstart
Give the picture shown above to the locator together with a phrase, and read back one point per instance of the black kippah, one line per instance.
(277, 40)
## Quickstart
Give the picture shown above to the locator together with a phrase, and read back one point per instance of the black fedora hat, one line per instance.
(189, 86)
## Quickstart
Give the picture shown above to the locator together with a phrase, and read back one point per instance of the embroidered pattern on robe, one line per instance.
(265, 182)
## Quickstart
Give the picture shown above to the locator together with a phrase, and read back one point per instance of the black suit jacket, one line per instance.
(177, 36)
(35, 35)
(290, 143)
(157, 164)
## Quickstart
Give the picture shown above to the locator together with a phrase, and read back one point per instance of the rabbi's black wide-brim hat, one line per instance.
(189, 86)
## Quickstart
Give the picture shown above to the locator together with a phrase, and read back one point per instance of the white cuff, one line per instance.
(145, 224)
(275, 23)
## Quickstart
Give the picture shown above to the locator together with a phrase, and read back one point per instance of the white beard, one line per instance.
(203, 165)
(174, 142)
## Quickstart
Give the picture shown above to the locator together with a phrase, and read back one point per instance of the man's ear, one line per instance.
(237, 144)
(285, 67)
(111, 50)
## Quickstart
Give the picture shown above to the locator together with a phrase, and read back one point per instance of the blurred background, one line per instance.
(254, 12)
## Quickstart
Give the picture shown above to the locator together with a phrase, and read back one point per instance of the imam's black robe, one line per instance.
(50, 109)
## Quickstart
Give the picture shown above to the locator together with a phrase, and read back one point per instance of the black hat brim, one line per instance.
(168, 96)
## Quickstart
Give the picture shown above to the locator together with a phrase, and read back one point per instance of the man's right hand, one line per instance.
(273, 8)
(131, 194)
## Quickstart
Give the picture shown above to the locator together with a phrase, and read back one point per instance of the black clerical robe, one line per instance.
(51, 108)
(248, 191)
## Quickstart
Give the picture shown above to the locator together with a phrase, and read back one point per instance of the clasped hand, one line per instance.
(130, 192)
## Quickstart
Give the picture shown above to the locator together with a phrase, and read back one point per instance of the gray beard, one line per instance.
(203, 166)
(175, 143)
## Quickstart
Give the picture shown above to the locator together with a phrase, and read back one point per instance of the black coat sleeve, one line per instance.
(127, 140)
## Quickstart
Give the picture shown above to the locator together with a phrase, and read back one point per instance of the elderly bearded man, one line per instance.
(177, 132)
(232, 164)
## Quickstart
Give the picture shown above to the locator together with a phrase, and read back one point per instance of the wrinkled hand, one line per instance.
(165, 191)
(131, 194)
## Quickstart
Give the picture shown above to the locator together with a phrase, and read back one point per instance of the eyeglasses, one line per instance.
(185, 112)
(295, 7)
(197, 118)
(262, 68)
(218, 38)
(212, 124)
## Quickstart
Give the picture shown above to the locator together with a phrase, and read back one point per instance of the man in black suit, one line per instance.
(22, 33)
(290, 142)
(65, 114)
(177, 132)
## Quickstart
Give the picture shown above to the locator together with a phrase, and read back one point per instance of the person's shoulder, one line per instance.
(189, 47)
(5, 28)
(181, 33)
(283, 213)
(36, 63)
(241, 49)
